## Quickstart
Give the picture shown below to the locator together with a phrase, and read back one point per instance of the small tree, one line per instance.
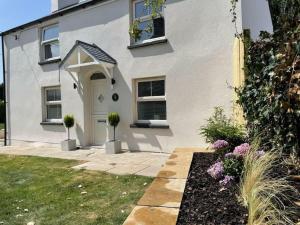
(69, 123)
(114, 119)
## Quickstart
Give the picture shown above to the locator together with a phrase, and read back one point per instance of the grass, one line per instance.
(263, 195)
(1, 126)
(51, 192)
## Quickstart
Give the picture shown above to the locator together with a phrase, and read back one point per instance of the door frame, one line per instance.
(101, 115)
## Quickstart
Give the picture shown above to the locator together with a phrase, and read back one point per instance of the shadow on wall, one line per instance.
(152, 50)
(134, 138)
(55, 129)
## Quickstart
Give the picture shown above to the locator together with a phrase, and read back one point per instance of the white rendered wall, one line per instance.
(256, 16)
(197, 63)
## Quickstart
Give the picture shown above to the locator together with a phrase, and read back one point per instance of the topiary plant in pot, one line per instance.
(69, 144)
(113, 146)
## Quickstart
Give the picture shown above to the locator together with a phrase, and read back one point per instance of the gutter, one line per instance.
(56, 14)
(4, 90)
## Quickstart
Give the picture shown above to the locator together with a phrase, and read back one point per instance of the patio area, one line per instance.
(138, 163)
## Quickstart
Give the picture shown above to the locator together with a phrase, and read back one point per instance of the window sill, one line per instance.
(149, 125)
(50, 61)
(52, 123)
(148, 43)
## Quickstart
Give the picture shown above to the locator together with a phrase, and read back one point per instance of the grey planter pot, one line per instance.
(68, 145)
(113, 147)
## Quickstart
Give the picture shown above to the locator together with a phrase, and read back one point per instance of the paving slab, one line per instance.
(193, 150)
(164, 193)
(150, 171)
(94, 166)
(181, 158)
(127, 169)
(141, 163)
(152, 216)
(174, 171)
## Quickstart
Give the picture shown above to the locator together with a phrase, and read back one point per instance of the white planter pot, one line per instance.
(113, 147)
(68, 145)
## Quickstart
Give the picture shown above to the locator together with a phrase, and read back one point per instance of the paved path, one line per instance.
(161, 201)
(139, 163)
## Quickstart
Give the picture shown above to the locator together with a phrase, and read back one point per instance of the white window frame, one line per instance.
(44, 42)
(149, 99)
(46, 103)
(145, 18)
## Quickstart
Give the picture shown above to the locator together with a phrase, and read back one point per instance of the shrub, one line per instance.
(270, 97)
(219, 127)
(233, 167)
(69, 123)
(261, 194)
(114, 119)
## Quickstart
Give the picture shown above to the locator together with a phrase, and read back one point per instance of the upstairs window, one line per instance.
(50, 42)
(151, 100)
(53, 104)
(151, 27)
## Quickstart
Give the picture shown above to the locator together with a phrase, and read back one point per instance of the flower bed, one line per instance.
(205, 201)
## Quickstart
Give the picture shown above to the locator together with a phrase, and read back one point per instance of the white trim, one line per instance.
(49, 41)
(47, 103)
(149, 98)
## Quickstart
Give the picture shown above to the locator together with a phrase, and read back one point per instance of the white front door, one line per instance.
(99, 105)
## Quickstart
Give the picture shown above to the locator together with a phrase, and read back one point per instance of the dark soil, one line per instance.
(203, 202)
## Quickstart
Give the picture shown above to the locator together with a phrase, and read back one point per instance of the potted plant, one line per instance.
(69, 144)
(113, 146)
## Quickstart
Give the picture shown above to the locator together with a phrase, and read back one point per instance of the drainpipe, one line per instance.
(4, 89)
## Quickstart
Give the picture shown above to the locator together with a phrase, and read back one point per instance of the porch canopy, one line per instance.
(84, 55)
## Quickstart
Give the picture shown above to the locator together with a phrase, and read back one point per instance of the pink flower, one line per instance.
(216, 170)
(226, 181)
(242, 150)
(219, 144)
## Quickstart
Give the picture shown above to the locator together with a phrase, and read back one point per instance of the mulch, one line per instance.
(204, 203)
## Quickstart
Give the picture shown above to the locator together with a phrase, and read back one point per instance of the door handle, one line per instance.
(101, 121)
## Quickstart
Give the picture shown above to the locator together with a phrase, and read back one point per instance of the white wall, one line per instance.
(197, 63)
(256, 16)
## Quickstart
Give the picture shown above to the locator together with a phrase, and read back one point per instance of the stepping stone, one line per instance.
(164, 193)
(181, 158)
(174, 171)
(152, 216)
(193, 150)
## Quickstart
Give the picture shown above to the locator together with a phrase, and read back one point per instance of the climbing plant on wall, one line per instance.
(271, 95)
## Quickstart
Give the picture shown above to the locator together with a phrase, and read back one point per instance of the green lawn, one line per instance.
(50, 190)
(1, 126)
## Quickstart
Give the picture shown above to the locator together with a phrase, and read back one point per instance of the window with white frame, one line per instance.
(52, 104)
(50, 42)
(151, 100)
(151, 27)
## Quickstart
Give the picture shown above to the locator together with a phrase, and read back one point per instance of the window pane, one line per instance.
(51, 50)
(158, 88)
(53, 95)
(147, 28)
(50, 33)
(152, 110)
(144, 89)
(54, 112)
(141, 10)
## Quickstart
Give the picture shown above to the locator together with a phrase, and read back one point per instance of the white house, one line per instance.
(81, 60)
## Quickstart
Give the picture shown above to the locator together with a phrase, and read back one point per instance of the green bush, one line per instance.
(233, 167)
(270, 97)
(219, 127)
(69, 123)
(114, 119)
